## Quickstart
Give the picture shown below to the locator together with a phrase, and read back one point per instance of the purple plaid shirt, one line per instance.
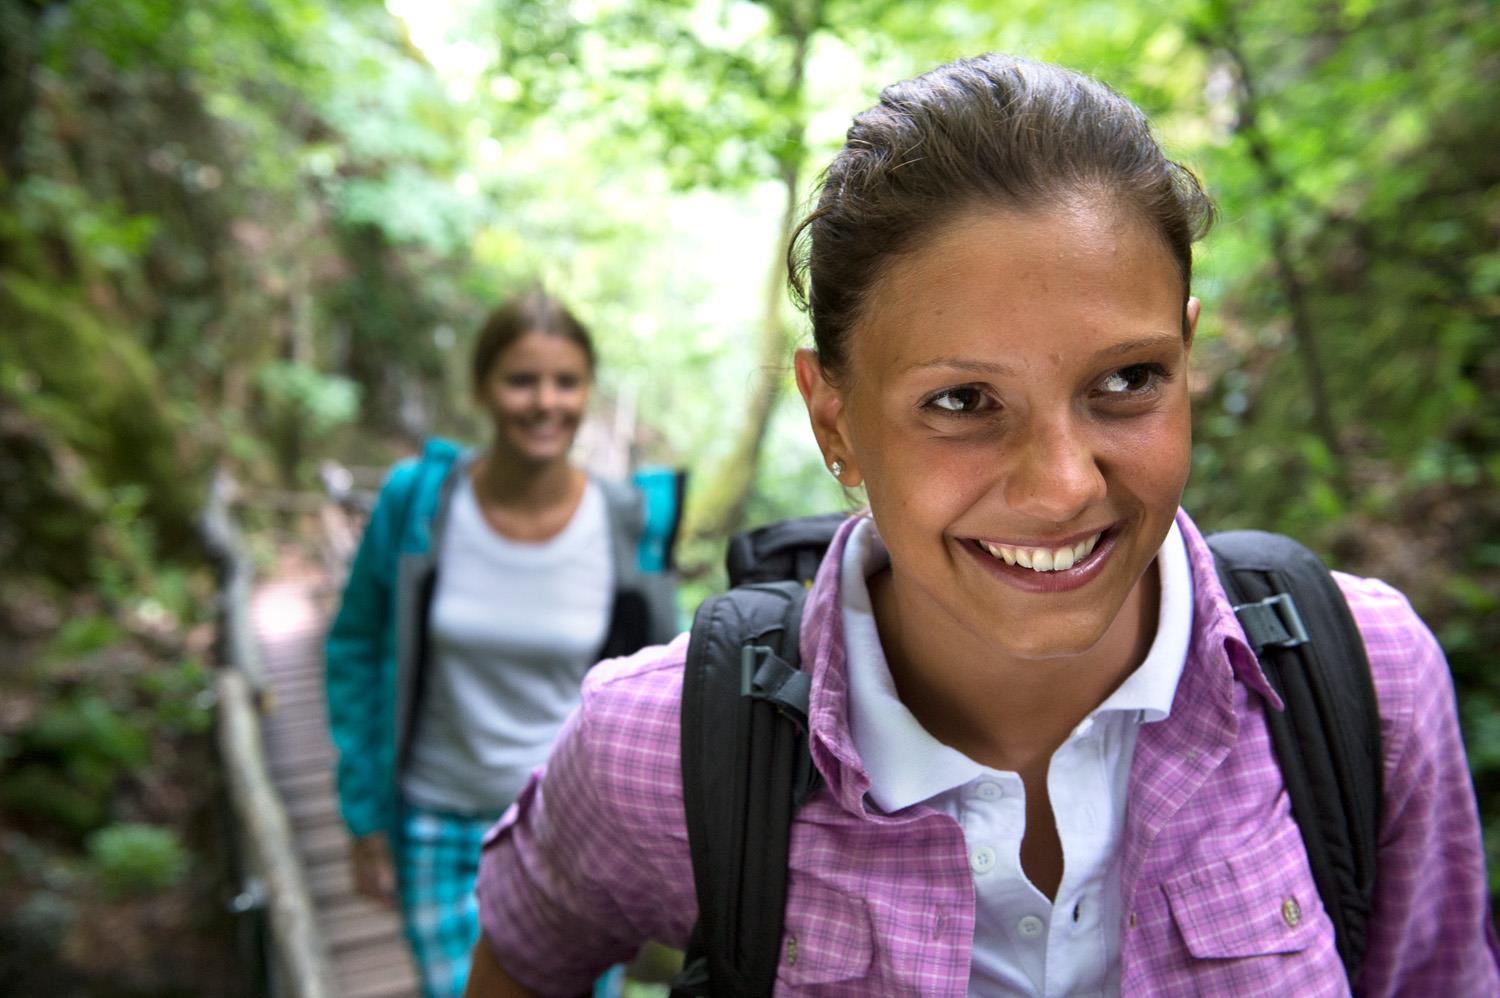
(1218, 897)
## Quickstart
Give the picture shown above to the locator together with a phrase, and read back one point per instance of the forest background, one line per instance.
(252, 236)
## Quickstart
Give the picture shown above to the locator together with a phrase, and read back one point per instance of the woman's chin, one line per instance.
(1052, 649)
(541, 451)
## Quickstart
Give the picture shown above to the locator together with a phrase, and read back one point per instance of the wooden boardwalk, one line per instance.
(364, 942)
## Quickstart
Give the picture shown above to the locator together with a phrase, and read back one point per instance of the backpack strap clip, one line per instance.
(765, 675)
(1272, 623)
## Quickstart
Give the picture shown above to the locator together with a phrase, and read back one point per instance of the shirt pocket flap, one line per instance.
(827, 936)
(1260, 901)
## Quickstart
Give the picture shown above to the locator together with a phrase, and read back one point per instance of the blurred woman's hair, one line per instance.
(994, 131)
(533, 311)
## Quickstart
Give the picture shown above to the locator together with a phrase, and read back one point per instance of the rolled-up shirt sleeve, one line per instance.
(591, 860)
(1430, 931)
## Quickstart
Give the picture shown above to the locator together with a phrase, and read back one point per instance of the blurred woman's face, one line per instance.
(1016, 405)
(535, 393)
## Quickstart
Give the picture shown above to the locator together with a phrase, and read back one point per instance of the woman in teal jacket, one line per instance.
(486, 582)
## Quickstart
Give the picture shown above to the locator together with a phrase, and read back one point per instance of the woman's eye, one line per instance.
(1132, 379)
(957, 400)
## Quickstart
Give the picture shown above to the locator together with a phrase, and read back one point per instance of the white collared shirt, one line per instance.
(1023, 944)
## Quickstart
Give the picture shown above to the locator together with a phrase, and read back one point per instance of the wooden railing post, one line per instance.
(298, 959)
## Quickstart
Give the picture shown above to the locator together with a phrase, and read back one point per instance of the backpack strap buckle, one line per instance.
(1272, 623)
(765, 675)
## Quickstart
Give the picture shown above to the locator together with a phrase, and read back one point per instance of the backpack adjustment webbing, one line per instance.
(765, 675)
(1272, 623)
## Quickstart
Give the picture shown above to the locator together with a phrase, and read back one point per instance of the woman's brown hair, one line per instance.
(533, 311)
(992, 131)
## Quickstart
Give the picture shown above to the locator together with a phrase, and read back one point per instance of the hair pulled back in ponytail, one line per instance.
(993, 131)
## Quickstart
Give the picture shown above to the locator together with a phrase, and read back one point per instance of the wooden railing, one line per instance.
(273, 882)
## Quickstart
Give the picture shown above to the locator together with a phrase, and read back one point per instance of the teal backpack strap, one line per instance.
(661, 489)
(642, 527)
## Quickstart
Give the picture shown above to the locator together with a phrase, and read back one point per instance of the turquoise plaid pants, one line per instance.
(439, 862)
(436, 869)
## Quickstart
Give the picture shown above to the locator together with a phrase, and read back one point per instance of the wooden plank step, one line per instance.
(373, 927)
(389, 978)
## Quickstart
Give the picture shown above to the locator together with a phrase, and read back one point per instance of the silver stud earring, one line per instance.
(837, 467)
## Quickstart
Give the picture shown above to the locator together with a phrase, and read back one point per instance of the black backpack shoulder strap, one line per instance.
(745, 771)
(1327, 740)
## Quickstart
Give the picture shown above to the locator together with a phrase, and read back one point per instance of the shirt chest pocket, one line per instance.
(1261, 901)
(826, 938)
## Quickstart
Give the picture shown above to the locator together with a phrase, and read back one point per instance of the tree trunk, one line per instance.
(719, 507)
(720, 504)
(1226, 37)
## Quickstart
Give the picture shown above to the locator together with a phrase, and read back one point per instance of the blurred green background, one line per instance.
(259, 235)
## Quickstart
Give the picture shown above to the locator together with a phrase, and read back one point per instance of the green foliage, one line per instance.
(180, 698)
(298, 393)
(133, 858)
(66, 764)
(98, 396)
(100, 708)
(82, 636)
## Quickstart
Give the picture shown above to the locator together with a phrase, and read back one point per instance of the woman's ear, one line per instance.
(1190, 317)
(825, 410)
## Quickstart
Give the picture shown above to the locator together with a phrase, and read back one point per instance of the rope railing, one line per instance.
(274, 880)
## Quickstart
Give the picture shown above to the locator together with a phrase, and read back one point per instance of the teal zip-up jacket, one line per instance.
(376, 649)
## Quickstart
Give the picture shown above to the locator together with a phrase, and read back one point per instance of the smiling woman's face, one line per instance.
(536, 393)
(1016, 405)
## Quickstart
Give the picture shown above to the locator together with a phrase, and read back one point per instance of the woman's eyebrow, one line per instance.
(969, 365)
(1153, 341)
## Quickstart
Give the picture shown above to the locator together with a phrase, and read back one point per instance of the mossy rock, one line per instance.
(96, 390)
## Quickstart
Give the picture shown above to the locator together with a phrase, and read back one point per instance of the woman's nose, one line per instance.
(1055, 474)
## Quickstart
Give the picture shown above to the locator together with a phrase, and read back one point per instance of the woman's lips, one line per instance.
(1034, 567)
(1043, 558)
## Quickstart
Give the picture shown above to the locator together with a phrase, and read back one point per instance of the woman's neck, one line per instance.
(526, 501)
(1006, 713)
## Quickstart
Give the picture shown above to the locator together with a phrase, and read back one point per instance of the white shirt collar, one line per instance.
(906, 764)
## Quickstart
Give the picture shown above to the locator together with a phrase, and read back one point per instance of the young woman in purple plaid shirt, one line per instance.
(1040, 729)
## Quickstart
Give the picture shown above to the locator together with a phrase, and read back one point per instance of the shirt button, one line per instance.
(989, 791)
(1030, 927)
(1291, 912)
(982, 860)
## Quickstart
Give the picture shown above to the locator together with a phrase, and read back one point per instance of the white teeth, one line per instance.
(1043, 559)
(1007, 555)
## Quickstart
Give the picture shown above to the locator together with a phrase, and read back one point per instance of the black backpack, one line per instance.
(746, 768)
